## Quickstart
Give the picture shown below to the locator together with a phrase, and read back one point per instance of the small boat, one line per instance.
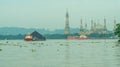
(28, 37)
(81, 37)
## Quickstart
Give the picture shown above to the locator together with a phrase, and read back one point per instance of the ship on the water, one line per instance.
(28, 37)
(81, 37)
(34, 36)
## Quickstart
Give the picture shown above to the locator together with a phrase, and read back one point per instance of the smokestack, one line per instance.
(105, 28)
(86, 26)
(114, 23)
(81, 24)
(91, 24)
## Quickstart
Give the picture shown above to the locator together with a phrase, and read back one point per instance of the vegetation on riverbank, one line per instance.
(117, 31)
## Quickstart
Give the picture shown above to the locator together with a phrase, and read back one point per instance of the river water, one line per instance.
(60, 53)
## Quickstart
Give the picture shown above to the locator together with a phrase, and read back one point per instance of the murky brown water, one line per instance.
(60, 53)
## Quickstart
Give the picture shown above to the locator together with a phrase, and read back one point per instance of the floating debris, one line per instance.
(61, 44)
(117, 45)
(25, 46)
(42, 43)
(20, 46)
(0, 49)
(118, 55)
(33, 50)
(113, 47)
(57, 49)
(66, 45)
(33, 43)
(46, 44)
(6, 41)
(39, 46)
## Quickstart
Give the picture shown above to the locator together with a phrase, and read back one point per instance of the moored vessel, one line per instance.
(81, 37)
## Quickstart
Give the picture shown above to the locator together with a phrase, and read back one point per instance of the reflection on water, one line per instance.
(60, 53)
(67, 55)
(117, 54)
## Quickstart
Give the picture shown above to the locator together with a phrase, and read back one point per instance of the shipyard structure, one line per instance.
(97, 30)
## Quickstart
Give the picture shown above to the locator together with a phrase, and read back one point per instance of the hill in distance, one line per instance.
(20, 30)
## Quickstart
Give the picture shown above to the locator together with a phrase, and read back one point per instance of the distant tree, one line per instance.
(117, 31)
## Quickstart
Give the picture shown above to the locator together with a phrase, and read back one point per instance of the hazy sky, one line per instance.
(51, 13)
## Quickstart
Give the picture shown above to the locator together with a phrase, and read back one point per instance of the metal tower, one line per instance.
(81, 25)
(105, 28)
(114, 23)
(67, 28)
(92, 25)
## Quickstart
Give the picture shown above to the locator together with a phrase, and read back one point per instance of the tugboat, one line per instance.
(28, 37)
(34, 36)
(81, 37)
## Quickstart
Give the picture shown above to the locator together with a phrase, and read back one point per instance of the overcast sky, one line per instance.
(51, 13)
